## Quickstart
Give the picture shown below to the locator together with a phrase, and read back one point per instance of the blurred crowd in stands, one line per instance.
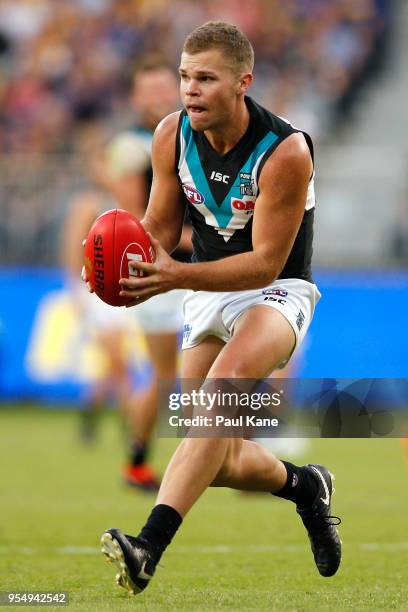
(66, 68)
(66, 63)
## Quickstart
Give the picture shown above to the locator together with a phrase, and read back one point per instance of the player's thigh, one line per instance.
(163, 352)
(111, 340)
(262, 340)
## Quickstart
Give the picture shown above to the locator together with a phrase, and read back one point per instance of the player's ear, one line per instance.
(244, 83)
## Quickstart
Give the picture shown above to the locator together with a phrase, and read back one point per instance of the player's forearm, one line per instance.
(167, 235)
(239, 272)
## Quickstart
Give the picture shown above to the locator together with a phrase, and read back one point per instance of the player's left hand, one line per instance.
(163, 275)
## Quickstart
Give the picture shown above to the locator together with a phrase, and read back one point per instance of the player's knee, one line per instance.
(223, 477)
(240, 366)
(230, 465)
(225, 474)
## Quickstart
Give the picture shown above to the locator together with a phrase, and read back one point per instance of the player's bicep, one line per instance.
(166, 205)
(165, 211)
(281, 202)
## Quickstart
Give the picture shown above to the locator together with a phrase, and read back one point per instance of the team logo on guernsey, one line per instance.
(246, 184)
(192, 195)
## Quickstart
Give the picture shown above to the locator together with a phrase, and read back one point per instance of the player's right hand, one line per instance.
(84, 275)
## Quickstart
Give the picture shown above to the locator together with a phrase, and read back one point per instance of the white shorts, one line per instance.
(161, 314)
(208, 313)
(97, 315)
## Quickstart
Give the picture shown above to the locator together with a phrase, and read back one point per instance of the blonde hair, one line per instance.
(223, 36)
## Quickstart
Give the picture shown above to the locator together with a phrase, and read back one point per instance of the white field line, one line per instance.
(208, 550)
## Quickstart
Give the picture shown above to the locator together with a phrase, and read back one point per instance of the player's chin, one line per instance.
(199, 121)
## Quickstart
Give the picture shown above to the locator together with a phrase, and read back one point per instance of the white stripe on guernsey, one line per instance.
(310, 199)
(239, 218)
(289, 123)
(182, 147)
(255, 172)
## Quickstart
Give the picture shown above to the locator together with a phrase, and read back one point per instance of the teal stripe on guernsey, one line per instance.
(222, 213)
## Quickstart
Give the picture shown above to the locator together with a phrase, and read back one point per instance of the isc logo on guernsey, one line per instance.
(193, 195)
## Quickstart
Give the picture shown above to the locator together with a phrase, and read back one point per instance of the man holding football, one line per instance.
(247, 179)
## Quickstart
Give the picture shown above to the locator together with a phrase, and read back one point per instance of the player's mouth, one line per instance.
(194, 109)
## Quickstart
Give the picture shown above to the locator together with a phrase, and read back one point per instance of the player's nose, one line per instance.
(192, 88)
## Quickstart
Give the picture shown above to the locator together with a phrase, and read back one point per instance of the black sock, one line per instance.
(301, 487)
(160, 529)
(138, 453)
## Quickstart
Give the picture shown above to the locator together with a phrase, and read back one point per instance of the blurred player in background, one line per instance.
(105, 325)
(248, 179)
(125, 170)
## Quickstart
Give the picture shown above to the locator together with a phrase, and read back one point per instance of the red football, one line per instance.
(115, 239)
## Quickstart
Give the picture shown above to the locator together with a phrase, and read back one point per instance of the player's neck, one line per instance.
(225, 137)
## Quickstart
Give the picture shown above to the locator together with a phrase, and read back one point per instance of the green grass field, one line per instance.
(233, 552)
